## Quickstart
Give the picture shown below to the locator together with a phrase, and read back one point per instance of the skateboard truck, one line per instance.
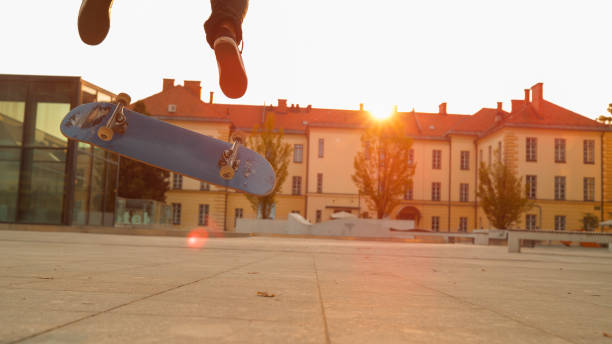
(228, 163)
(117, 121)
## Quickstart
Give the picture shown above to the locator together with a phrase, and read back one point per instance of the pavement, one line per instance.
(97, 288)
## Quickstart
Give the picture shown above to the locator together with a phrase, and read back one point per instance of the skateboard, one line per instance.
(113, 127)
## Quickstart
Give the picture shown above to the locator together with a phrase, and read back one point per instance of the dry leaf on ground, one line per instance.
(264, 294)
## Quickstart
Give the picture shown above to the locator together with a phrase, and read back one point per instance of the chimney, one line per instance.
(500, 112)
(282, 105)
(194, 88)
(168, 84)
(211, 97)
(360, 106)
(526, 95)
(537, 95)
(442, 109)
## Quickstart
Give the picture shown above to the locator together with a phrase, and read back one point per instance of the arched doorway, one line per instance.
(410, 213)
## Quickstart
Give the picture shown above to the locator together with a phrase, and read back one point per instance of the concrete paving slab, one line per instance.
(93, 288)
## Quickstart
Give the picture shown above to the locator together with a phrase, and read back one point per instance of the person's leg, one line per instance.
(223, 34)
(94, 20)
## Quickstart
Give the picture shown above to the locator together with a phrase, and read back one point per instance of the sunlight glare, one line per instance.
(379, 112)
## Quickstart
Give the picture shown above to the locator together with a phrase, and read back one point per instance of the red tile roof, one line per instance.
(419, 125)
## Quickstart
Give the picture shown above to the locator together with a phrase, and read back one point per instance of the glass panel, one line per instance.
(48, 119)
(96, 198)
(110, 193)
(9, 183)
(81, 184)
(43, 186)
(11, 122)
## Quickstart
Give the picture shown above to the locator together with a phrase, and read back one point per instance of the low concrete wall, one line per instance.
(362, 228)
(261, 226)
(515, 236)
(350, 227)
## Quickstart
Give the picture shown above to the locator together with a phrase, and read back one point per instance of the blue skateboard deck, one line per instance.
(169, 147)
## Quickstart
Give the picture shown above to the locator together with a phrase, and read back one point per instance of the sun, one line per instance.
(379, 112)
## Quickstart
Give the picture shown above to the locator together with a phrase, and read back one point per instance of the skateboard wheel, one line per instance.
(105, 134)
(238, 136)
(226, 172)
(124, 99)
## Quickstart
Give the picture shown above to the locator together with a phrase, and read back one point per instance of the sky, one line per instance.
(336, 53)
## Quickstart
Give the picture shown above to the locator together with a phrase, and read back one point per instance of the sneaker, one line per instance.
(232, 75)
(94, 20)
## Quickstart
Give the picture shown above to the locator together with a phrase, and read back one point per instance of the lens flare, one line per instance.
(197, 238)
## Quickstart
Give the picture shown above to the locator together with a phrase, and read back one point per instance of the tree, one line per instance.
(268, 142)
(590, 222)
(501, 194)
(383, 170)
(139, 180)
(607, 120)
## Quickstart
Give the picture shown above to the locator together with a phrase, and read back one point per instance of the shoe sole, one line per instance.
(94, 21)
(232, 75)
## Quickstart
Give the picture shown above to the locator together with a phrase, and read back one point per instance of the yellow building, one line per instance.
(557, 151)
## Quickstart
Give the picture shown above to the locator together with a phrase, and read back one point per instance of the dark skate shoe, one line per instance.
(94, 20)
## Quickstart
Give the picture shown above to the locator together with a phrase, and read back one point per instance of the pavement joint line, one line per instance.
(465, 301)
(138, 300)
(325, 327)
(76, 275)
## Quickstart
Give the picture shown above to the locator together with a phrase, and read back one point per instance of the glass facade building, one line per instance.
(45, 178)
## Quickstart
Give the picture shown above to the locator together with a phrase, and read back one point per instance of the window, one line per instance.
(532, 184)
(463, 224)
(499, 151)
(464, 192)
(176, 213)
(435, 223)
(237, 215)
(321, 147)
(560, 150)
(531, 149)
(298, 151)
(559, 222)
(465, 160)
(490, 155)
(589, 189)
(589, 151)
(409, 195)
(435, 191)
(203, 215)
(559, 188)
(481, 157)
(411, 156)
(436, 162)
(318, 216)
(319, 182)
(530, 222)
(204, 186)
(296, 188)
(177, 181)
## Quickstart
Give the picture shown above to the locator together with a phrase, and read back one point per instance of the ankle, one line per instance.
(226, 28)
